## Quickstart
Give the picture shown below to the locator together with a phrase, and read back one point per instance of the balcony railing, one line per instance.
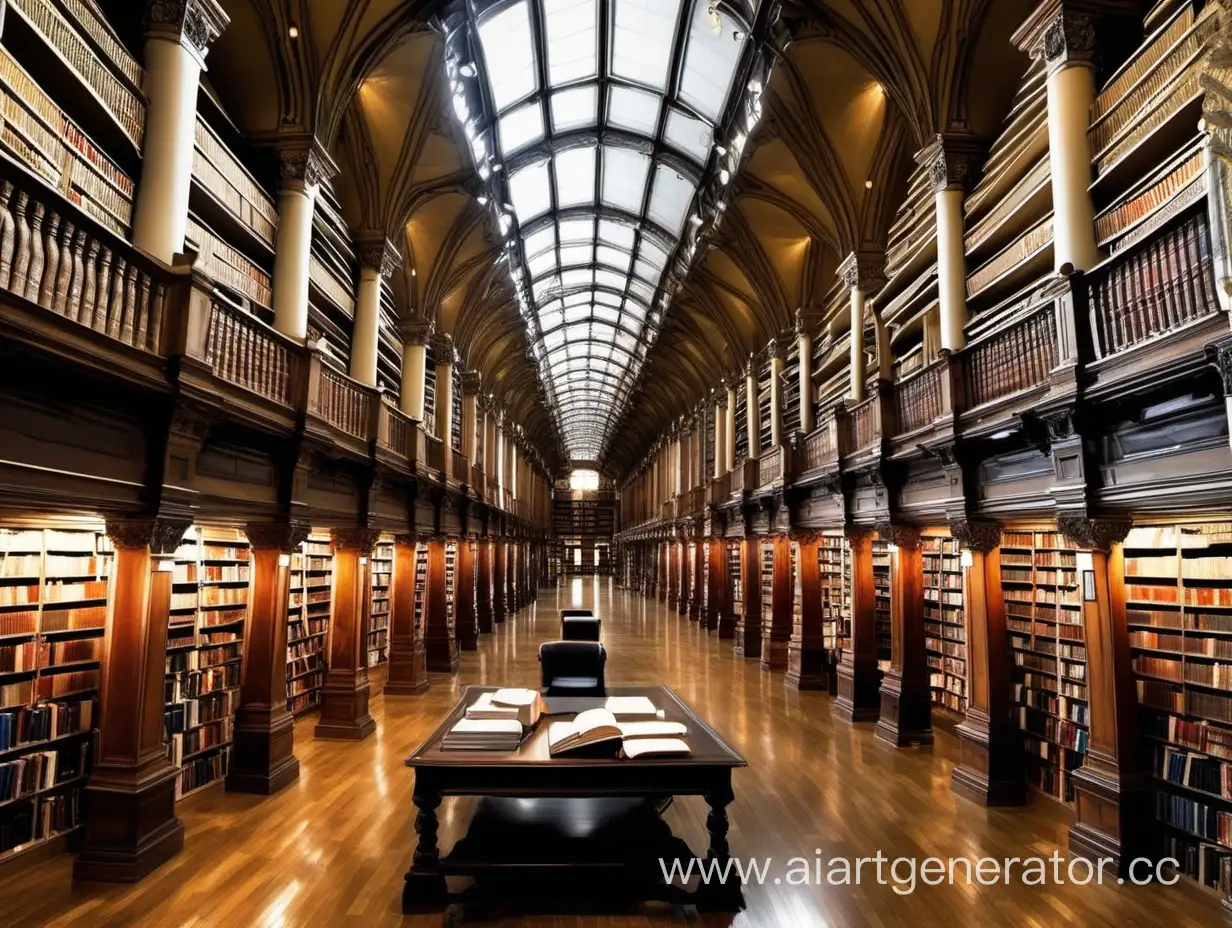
(820, 447)
(394, 430)
(243, 350)
(478, 481)
(97, 281)
(459, 466)
(720, 489)
(434, 452)
(1013, 359)
(339, 400)
(862, 425)
(917, 399)
(770, 466)
(745, 478)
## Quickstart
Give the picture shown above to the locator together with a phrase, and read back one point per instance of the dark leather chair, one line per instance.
(579, 625)
(572, 668)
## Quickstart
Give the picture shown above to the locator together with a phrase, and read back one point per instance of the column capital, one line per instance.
(303, 160)
(283, 536)
(774, 351)
(863, 271)
(361, 539)
(195, 24)
(1062, 32)
(953, 162)
(415, 331)
(1094, 533)
(472, 383)
(720, 395)
(161, 536)
(376, 251)
(442, 347)
(902, 536)
(976, 534)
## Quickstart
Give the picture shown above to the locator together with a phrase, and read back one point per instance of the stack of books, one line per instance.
(483, 735)
(524, 705)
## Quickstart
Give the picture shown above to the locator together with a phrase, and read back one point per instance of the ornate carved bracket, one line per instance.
(361, 539)
(304, 160)
(195, 24)
(442, 347)
(1059, 33)
(903, 536)
(415, 332)
(378, 252)
(976, 534)
(1094, 533)
(161, 536)
(953, 163)
(285, 536)
(864, 271)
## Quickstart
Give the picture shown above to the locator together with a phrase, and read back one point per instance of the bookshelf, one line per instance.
(690, 570)
(53, 613)
(765, 549)
(789, 391)
(763, 405)
(381, 567)
(205, 649)
(797, 593)
(742, 427)
(421, 586)
(734, 578)
(451, 586)
(1043, 617)
(945, 627)
(881, 602)
(1178, 590)
(834, 570)
(309, 616)
(704, 586)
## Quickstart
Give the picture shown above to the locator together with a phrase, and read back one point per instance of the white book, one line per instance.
(654, 729)
(487, 727)
(654, 747)
(631, 706)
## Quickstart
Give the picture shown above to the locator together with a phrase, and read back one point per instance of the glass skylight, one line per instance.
(603, 159)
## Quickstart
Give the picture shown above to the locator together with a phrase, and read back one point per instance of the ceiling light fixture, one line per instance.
(868, 184)
(293, 32)
(467, 70)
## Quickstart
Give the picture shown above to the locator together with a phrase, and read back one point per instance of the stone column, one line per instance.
(752, 413)
(1062, 34)
(130, 823)
(776, 393)
(176, 44)
(408, 668)
(472, 433)
(415, 336)
(344, 698)
(720, 436)
(263, 752)
(729, 427)
(440, 642)
(864, 275)
(906, 697)
(377, 260)
(804, 347)
(951, 166)
(990, 767)
(858, 698)
(305, 165)
(442, 347)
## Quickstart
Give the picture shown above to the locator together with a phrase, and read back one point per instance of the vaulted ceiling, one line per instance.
(857, 87)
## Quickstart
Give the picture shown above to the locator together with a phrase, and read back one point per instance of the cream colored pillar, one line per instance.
(804, 347)
(471, 433)
(499, 431)
(951, 267)
(442, 347)
(1065, 39)
(720, 441)
(776, 393)
(752, 414)
(377, 260)
(176, 45)
(729, 427)
(305, 165)
(864, 275)
(415, 337)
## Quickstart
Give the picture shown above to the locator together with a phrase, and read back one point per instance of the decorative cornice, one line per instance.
(285, 537)
(195, 24)
(375, 251)
(1062, 32)
(304, 160)
(1094, 533)
(864, 271)
(161, 536)
(361, 539)
(976, 534)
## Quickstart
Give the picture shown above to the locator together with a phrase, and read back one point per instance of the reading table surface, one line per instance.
(530, 772)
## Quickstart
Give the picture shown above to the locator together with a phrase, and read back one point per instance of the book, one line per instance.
(656, 729)
(631, 707)
(635, 748)
(591, 727)
(483, 735)
(524, 705)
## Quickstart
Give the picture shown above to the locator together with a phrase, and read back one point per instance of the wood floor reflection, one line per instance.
(332, 849)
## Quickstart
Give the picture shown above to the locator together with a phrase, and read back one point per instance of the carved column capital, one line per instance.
(375, 251)
(1060, 33)
(282, 536)
(303, 160)
(863, 271)
(442, 347)
(976, 534)
(953, 163)
(1094, 533)
(902, 536)
(415, 332)
(161, 536)
(195, 24)
(472, 383)
(360, 539)
(857, 534)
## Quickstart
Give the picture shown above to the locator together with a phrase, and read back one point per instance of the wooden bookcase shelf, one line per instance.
(421, 587)
(381, 567)
(735, 585)
(834, 568)
(945, 626)
(451, 586)
(205, 648)
(881, 602)
(308, 622)
(1039, 579)
(765, 550)
(54, 586)
(1178, 590)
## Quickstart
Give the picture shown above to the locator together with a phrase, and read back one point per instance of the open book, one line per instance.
(598, 726)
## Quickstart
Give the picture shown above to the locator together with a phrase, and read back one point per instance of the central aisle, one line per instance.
(332, 848)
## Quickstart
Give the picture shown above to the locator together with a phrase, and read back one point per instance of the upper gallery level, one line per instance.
(1039, 310)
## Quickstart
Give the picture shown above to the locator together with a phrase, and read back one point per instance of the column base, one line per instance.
(748, 641)
(773, 654)
(858, 699)
(906, 713)
(442, 655)
(406, 676)
(990, 770)
(344, 708)
(131, 828)
(263, 757)
(808, 668)
(1113, 812)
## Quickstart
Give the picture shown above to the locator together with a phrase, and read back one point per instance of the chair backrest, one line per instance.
(579, 627)
(572, 668)
(569, 613)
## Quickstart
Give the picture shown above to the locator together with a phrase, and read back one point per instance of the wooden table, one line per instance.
(530, 772)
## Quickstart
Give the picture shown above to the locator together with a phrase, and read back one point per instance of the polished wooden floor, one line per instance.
(332, 849)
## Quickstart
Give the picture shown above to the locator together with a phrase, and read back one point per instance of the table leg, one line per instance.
(726, 896)
(425, 885)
